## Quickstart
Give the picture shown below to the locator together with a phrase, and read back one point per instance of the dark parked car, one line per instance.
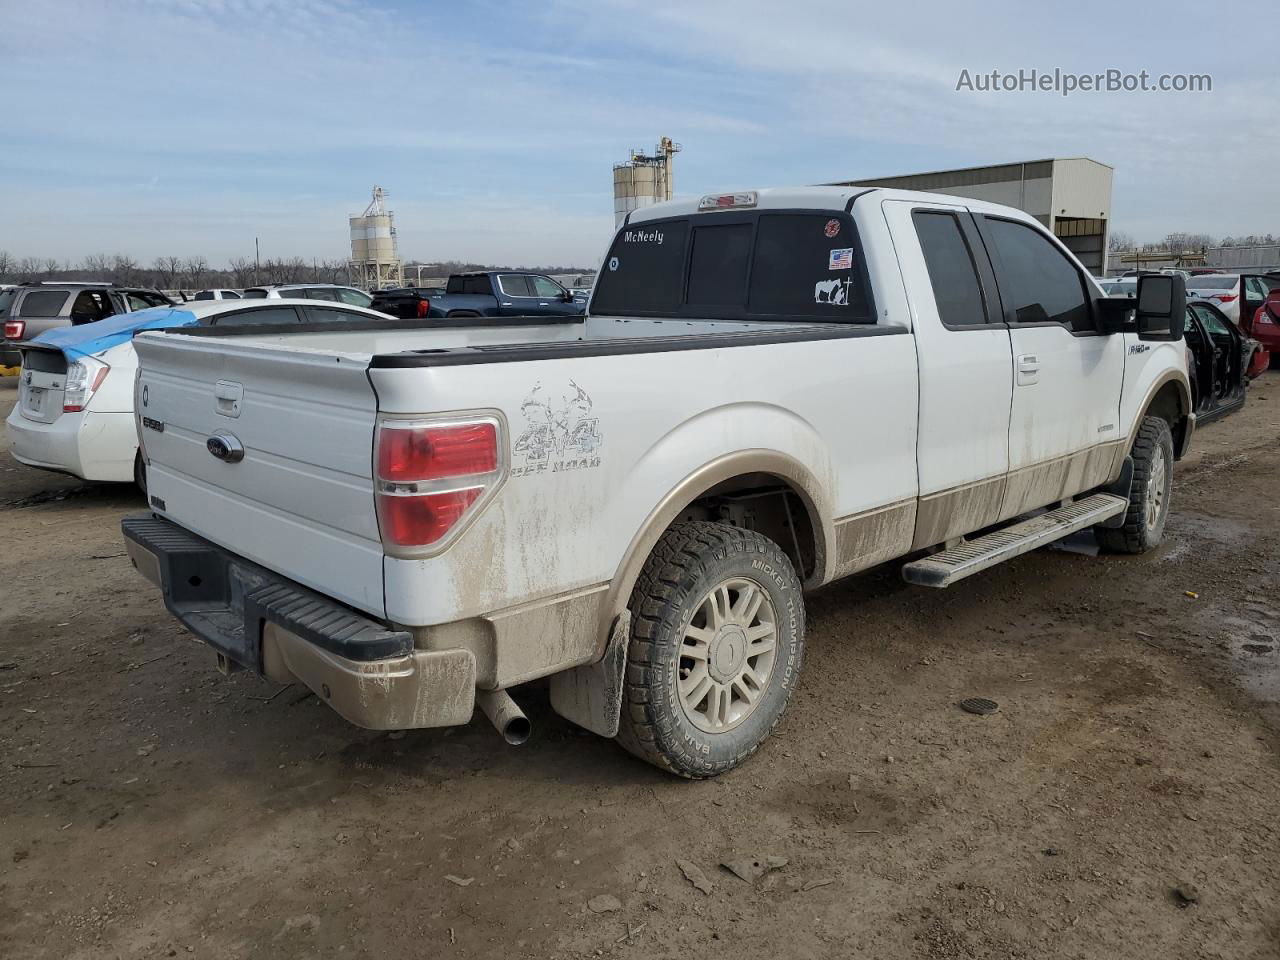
(1218, 358)
(29, 309)
(405, 302)
(501, 293)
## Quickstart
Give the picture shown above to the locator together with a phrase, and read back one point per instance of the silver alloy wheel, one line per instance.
(727, 656)
(1155, 488)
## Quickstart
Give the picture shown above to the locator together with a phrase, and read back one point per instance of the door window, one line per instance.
(252, 317)
(357, 298)
(514, 285)
(318, 293)
(42, 303)
(1212, 322)
(1256, 288)
(1038, 282)
(546, 287)
(335, 315)
(952, 273)
(91, 306)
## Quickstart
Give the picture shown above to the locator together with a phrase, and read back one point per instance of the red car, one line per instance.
(1265, 326)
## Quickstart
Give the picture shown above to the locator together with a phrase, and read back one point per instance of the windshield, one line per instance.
(1213, 283)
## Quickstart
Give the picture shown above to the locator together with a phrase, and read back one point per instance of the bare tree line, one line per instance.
(173, 273)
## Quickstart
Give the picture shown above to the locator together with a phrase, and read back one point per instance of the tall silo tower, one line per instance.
(375, 263)
(644, 179)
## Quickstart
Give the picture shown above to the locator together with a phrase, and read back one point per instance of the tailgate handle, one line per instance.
(227, 395)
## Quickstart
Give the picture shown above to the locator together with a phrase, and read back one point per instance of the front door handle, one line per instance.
(1028, 369)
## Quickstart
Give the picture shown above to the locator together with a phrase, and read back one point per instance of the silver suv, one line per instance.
(311, 291)
(29, 309)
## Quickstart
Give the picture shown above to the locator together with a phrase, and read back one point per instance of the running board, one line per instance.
(945, 568)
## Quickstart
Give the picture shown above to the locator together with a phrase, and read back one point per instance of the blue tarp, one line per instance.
(90, 338)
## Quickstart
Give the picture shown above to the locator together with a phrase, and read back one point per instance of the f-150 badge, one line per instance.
(560, 433)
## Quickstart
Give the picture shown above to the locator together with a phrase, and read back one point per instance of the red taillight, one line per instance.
(430, 474)
(424, 520)
(1225, 297)
(436, 453)
(14, 329)
(423, 307)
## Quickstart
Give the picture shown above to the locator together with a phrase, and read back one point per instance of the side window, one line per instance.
(255, 294)
(244, 318)
(43, 303)
(1039, 283)
(1212, 322)
(230, 295)
(514, 285)
(90, 306)
(546, 287)
(204, 295)
(952, 273)
(354, 297)
(718, 265)
(335, 315)
(644, 272)
(319, 293)
(806, 265)
(1256, 288)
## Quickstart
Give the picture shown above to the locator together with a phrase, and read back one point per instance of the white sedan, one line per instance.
(75, 405)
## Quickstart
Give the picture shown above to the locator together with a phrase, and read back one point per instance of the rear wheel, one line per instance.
(717, 640)
(1144, 522)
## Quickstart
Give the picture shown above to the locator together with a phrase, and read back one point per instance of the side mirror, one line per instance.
(1162, 307)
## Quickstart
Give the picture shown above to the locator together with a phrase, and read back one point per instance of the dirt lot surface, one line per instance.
(150, 807)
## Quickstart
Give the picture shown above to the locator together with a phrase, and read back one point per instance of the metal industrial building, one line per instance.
(1071, 196)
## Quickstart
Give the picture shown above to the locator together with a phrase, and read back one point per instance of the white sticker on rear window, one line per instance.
(835, 292)
(841, 259)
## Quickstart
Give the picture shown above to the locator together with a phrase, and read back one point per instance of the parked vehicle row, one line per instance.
(75, 412)
(30, 309)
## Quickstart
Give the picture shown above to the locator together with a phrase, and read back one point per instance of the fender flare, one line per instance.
(591, 695)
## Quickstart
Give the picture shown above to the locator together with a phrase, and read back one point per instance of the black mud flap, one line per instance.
(591, 695)
(1123, 487)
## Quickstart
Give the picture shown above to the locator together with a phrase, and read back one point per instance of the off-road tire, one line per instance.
(687, 563)
(1153, 443)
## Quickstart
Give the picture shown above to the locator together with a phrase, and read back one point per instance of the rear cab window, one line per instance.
(760, 265)
(6, 301)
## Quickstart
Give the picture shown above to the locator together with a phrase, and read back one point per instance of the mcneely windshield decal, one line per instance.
(560, 433)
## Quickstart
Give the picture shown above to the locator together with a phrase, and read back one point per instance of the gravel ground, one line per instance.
(149, 807)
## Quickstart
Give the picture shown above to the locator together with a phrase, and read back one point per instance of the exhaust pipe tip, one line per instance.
(507, 718)
(517, 730)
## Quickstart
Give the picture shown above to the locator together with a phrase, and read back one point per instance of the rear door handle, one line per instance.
(1028, 369)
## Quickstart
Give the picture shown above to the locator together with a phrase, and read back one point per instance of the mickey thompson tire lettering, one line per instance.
(688, 563)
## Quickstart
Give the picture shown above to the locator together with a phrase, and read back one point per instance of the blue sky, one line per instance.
(187, 127)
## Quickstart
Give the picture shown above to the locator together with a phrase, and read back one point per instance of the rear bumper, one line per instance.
(92, 446)
(253, 618)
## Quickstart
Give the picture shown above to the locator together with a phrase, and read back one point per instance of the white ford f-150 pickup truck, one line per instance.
(771, 390)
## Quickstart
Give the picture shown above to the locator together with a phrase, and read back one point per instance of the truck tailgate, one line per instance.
(300, 499)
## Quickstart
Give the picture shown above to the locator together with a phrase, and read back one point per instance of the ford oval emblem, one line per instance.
(225, 447)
